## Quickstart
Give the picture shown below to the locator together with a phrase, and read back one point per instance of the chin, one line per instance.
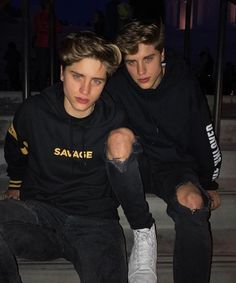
(145, 86)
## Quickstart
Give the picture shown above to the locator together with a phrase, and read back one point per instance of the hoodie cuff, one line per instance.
(210, 186)
(14, 184)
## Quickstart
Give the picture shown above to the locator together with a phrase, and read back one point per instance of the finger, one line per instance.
(15, 197)
(215, 203)
(11, 196)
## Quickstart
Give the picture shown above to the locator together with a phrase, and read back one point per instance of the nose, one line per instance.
(141, 69)
(85, 87)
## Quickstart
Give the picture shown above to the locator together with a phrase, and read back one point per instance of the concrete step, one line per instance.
(228, 168)
(64, 273)
(228, 134)
(5, 121)
(223, 220)
(223, 223)
(223, 262)
(224, 244)
(61, 271)
(228, 105)
(227, 185)
(221, 272)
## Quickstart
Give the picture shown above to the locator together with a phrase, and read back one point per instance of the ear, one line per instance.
(163, 55)
(61, 74)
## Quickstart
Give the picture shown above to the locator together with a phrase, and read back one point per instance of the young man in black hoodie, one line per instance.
(181, 158)
(60, 202)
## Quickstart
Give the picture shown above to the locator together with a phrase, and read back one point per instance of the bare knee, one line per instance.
(190, 196)
(120, 143)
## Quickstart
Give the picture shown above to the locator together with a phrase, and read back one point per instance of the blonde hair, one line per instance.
(86, 44)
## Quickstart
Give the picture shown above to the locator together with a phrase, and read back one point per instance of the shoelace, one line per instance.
(142, 249)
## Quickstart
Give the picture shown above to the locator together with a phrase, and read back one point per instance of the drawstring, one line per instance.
(71, 145)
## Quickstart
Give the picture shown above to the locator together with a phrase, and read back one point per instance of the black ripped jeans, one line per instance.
(127, 185)
(193, 241)
(38, 231)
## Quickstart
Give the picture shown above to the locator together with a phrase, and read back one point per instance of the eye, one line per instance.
(97, 81)
(76, 76)
(130, 62)
(148, 59)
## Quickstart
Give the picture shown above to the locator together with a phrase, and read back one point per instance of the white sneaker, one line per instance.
(143, 258)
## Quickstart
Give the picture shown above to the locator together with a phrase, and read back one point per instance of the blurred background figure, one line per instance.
(41, 44)
(13, 59)
(124, 13)
(98, 22)
(229, 79)
(205, 71)
(117, 14)
(112, 19)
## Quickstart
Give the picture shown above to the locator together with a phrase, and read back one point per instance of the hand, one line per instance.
(13, 194)
(215, 199)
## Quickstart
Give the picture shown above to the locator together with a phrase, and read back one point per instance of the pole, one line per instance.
(219, 74)
(187, 31)
(26, 25)
(52, 42)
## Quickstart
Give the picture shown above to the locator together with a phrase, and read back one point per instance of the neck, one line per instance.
(160, 77)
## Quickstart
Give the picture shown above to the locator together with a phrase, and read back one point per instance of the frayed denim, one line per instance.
(127, 185)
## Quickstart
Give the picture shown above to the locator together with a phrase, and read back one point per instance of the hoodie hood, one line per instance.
(65, 162)
(104, 110)
(172, 120)
(176, 71)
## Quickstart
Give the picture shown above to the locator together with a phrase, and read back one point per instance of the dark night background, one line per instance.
(77, 14)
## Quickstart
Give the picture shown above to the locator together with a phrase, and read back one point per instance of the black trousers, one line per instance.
(127, 185)
(193, 241)
(38, 231)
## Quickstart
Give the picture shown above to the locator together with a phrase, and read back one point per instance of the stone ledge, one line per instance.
(224, 244)
(62, 271)
(227, 185)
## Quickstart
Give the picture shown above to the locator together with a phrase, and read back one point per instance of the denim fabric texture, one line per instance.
(193, 239)
(37, 231)
(127, 185)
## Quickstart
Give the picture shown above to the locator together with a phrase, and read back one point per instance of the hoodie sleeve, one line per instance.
(16, 149)
(204, 145)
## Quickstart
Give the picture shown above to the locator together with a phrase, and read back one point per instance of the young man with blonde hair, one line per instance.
(60, 202)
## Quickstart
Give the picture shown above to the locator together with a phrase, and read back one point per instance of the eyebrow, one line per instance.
(145, 57)
(94, 78)
(150, 55)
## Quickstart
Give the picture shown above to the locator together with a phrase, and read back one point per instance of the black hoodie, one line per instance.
(173, 121)
(59, 159)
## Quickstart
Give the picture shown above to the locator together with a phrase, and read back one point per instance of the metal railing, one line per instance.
(219, 59)
(26, 25)
(220, 52)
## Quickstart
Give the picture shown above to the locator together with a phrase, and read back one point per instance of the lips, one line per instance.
(143, 81)
(82, 100)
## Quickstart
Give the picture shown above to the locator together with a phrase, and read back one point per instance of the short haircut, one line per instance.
(137, 32)
(86, 44)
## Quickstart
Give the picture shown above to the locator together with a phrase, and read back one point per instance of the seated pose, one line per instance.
(181, 158)
(61, 201)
